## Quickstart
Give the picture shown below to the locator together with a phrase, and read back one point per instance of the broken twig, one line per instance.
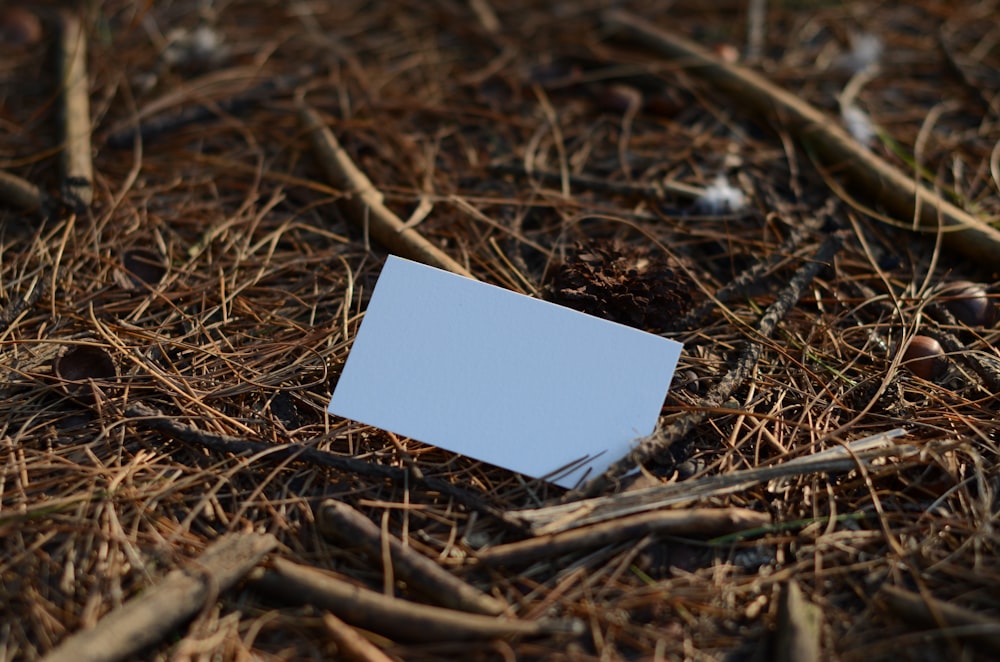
(657, 189)
(931, 612)
(164, 123)
(339, 521)
(156, 612)
(20, 192)
(831, 144)
(157, 420)
(699, 522)
(391, 616)
(363, 202)
(77, 161)
(350, 643)
(564, 516)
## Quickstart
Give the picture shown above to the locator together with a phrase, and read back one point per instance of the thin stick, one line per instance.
(156, 420)
(77, 163)
(756, 29)
(351, 644)
(485, 14)
(680, 428)
(931, 612)
(742, 281)
(340, 522)
(656, 189)
(20, 192)
(390, 616)
(363, 202)
(154, 614)
(699, 522)
(158, 126)
(564, 516)
(831, 144)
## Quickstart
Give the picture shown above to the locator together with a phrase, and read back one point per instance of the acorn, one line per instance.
(969, 303)
(925, 358)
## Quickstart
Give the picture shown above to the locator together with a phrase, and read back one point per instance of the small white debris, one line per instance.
(721, 197)
(200, 48)
(866, 51)
(858, 124)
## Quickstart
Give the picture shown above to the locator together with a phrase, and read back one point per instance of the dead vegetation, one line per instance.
(171, 331)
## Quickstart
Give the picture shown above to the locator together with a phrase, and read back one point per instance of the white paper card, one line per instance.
(500, 377)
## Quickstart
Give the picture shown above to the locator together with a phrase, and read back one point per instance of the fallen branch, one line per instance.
(363, 203)
(680, 428)
(77, 160)
(393, 617)
(822, 135)
(931, 612)
(157, 420)
(20, 192)
(695, 522)
(657, 189)
(565, 516)
(155, 613)
(160, 124)
(739, 284)
(340, 522)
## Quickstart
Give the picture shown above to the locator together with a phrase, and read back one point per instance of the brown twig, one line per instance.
(156, 420)
(391, 616)
(351, 644)
(700, 522)
(341, 523)
(363, 202)
(155, 613)
(20, 192)
(77, 163)
(663, 439)
(831, 144)
(564, 516)
(657, 190)
(742, 281)
(159, 126)
(931, 612)
(486, 15)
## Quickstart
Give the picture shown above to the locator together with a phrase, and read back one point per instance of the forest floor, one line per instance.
(174, 322)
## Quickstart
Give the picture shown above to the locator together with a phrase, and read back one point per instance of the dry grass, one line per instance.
(265, 283)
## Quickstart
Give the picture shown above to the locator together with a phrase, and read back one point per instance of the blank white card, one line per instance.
(500, 377)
